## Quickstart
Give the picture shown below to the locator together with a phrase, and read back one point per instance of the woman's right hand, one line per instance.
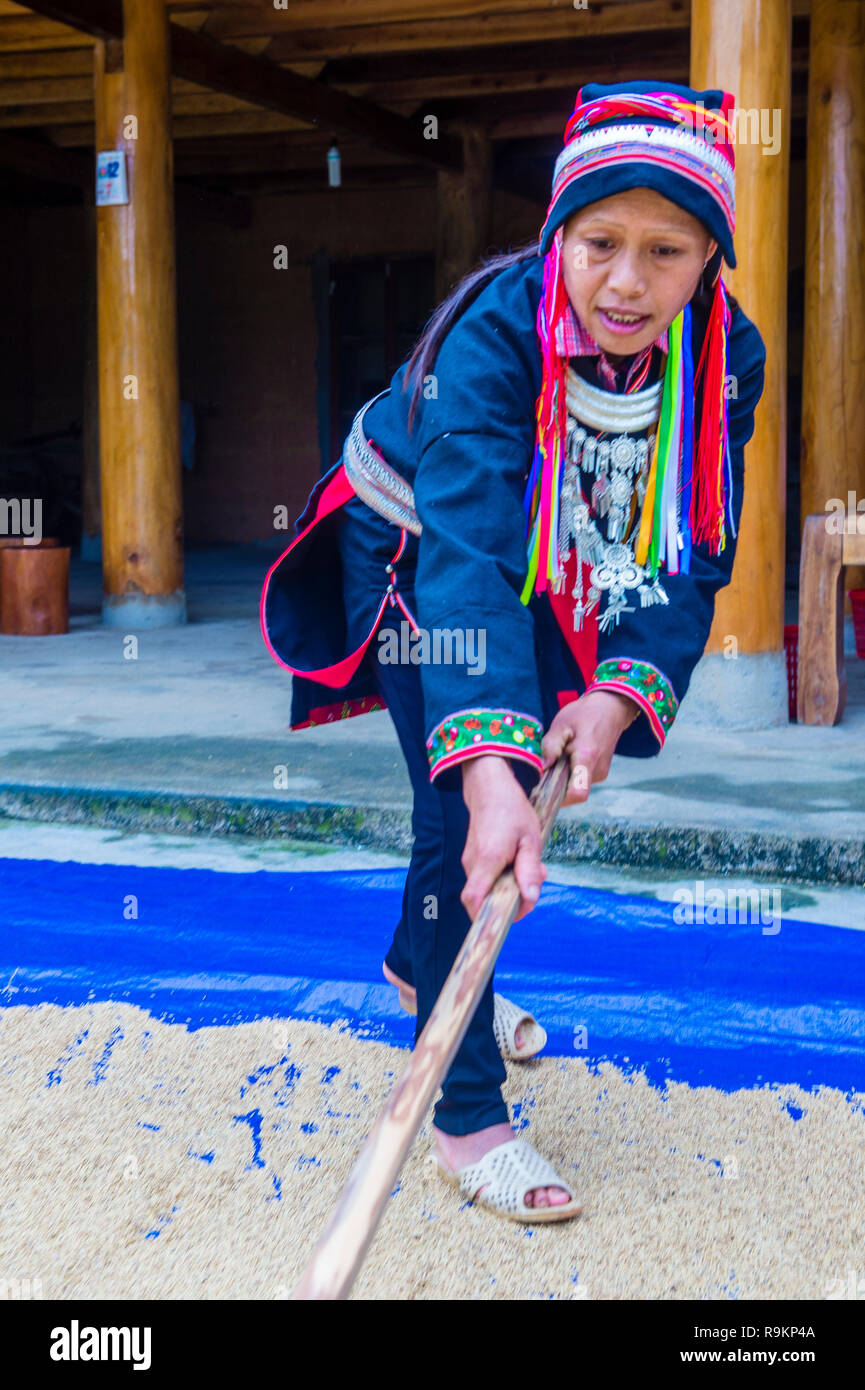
(503, 830)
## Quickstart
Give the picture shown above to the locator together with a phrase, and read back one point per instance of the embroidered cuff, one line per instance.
(643, 683)
(468, 732)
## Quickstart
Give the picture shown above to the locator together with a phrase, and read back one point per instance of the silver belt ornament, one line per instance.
(619, 467)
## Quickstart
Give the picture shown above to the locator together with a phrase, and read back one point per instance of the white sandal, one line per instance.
(507, 1018)
(508, 1172)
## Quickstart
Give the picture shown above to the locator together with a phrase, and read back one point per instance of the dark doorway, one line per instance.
(377, 311)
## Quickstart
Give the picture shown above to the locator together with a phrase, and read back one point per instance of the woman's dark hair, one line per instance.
(425, 351)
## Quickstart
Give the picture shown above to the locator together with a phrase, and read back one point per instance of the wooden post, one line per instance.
(826, 553)
(464, 211)
(833, 370)
(139, 404)
(744, 47)
(34, 590)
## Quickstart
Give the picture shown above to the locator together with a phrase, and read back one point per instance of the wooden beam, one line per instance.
(72, 62)
(31, 32)
(191, 104)
(55, 91)
(79, 132)
(260, 82)
(101, 19)
(333, 14)
(490, 28)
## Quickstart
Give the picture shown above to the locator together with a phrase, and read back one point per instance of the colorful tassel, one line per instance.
(683, 468)
(707, 501)
(551, 410)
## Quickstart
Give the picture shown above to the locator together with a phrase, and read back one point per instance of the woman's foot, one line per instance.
(459, 1150)
(408, 1000)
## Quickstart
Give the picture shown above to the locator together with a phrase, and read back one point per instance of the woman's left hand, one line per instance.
(588, 729)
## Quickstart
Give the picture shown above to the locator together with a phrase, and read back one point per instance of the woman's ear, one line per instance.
(710, 251)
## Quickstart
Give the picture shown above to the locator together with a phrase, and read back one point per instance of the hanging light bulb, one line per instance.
(334, 166)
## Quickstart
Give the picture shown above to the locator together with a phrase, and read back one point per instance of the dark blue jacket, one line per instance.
(467, 459)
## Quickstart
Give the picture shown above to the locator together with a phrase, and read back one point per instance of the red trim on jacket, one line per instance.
(338, 491)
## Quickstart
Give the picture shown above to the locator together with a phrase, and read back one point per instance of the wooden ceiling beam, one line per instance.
(54, 91)
(490, 30)
(71, 62)
(79, 133)
(333, 14)
(260, 82)
(31, 33)
(193, 103)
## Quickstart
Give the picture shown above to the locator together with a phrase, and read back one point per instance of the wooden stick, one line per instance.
(336, 1259)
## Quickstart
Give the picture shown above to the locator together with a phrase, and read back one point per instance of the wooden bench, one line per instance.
(826, 552)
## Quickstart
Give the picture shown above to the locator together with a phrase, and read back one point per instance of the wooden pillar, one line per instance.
(833, 373)
(139, 404)
(464, 211)
(744, 47)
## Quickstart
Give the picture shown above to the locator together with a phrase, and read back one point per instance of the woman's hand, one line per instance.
(588, 730)
(503, 830)
(503, 826)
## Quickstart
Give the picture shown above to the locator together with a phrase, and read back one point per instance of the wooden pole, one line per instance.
(337, 1257)
(34, 590)
(139, 403)
(744, 47)
(464, 211)
(833, 370)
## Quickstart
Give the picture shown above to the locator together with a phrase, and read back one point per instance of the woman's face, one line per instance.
(630, 263)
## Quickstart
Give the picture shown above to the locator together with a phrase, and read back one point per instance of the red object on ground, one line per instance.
(791, 651)
(857, 603)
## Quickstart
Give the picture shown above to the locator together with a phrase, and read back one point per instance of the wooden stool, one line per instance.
(822, 674)
(34, 588)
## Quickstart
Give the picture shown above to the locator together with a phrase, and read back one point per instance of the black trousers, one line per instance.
(434, 922)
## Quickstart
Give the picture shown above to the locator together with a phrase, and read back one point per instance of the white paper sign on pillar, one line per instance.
(111, 178)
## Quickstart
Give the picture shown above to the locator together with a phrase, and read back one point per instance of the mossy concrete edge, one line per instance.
(672, 849)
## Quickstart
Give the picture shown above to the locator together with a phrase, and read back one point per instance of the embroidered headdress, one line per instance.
(676, 141)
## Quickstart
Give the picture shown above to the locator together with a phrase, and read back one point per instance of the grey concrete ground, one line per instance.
(192, 734)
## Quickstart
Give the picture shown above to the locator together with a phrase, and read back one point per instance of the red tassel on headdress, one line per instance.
(707, 495)
(551, 409)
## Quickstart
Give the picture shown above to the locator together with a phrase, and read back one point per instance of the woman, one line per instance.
(554, 481)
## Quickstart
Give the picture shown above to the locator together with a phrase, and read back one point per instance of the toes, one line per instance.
(547, 1197)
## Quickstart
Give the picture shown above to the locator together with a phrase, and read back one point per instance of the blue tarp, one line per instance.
(611, 976)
